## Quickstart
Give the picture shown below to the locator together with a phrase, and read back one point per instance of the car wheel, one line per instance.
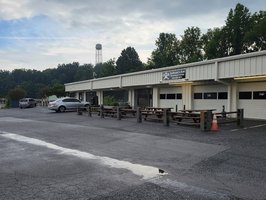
(62, 109)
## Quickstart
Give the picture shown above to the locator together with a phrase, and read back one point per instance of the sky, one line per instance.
(40, 34)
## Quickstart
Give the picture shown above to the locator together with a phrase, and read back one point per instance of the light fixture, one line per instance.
(180, 83)
(249, 77)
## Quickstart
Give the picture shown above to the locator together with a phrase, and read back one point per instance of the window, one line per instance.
(162, 96)
(197, 95)
(71, 100)
(170, 96)
(210, 95)
(245, 95)
(259, 95)
(222, 95)
(179, 96)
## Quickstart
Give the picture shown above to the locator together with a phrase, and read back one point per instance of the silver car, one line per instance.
(66, 103)
(27, 103)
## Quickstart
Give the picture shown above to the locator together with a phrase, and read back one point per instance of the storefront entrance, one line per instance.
(143, 97)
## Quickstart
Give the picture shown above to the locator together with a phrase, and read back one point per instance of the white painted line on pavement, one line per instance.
(146, 172)
(257, 126)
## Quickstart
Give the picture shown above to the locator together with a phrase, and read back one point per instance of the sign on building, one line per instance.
(174, 75)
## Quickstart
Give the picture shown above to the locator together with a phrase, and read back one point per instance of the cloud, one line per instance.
(42, 34)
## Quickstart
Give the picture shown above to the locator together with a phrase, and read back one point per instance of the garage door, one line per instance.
(171, 97)
(210, 97)
(252, 97)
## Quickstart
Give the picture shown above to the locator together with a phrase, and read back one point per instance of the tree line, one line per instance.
(243, 32)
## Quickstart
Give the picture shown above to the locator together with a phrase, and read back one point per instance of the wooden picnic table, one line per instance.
(196, 110)
(190, 114)
(153, 112)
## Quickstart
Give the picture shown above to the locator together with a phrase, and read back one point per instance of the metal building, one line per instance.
(233, 82)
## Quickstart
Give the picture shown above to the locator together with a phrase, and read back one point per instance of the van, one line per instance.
(27, 103)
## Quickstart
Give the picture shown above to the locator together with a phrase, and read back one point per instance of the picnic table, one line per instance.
(153, 112)
(190, 116)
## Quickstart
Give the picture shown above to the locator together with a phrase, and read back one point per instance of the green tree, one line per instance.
(191, 45)
(16, 93)
(66, 72)
(108, 68)
(166, 53)
(128, 61)
(238, 23)
(256, 37)
(58, 90)
(214, 43)
(6, 83)
(84, 72)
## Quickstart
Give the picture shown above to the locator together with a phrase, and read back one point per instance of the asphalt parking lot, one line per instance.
(48, 155)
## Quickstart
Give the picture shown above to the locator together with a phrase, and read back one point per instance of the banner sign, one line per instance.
(174, 75)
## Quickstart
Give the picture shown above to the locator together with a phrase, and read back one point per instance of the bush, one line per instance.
(110, 101)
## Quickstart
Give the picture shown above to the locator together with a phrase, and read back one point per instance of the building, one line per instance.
(233, 82)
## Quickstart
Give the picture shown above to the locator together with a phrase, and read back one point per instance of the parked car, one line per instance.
(27, 103)
(66, 103)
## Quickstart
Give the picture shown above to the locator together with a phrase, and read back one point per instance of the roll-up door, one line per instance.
(171, 97)
(252, 98)
(210, 97)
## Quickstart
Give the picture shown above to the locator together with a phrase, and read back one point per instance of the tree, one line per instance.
(108, 68)
(66, 72)
(16, 93)
(191, 45)
(84, 72)
(58, 90)
(214, 43)
(128, 61)
(166, 53)
(256, 37)
(238, 23)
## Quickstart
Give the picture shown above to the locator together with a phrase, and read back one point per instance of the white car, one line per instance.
(66, 103)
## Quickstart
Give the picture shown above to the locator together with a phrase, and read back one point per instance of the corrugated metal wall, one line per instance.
(229, 67)
(242, 67)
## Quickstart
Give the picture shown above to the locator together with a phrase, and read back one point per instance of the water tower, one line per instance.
(98, 54)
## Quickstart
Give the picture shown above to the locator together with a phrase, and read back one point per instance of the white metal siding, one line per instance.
(106, 83)
(142, 79)
(253, 108)
(209, 103)
(248, 66)
(201, 72)
(82, 86)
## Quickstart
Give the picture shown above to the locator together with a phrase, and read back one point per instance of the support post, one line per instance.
(240, 117)
(205, 120)
(89, 111)
(118, 113)
(101, 111)
(139, 116)
(166, 116)
(223, 113)
(79, 111)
